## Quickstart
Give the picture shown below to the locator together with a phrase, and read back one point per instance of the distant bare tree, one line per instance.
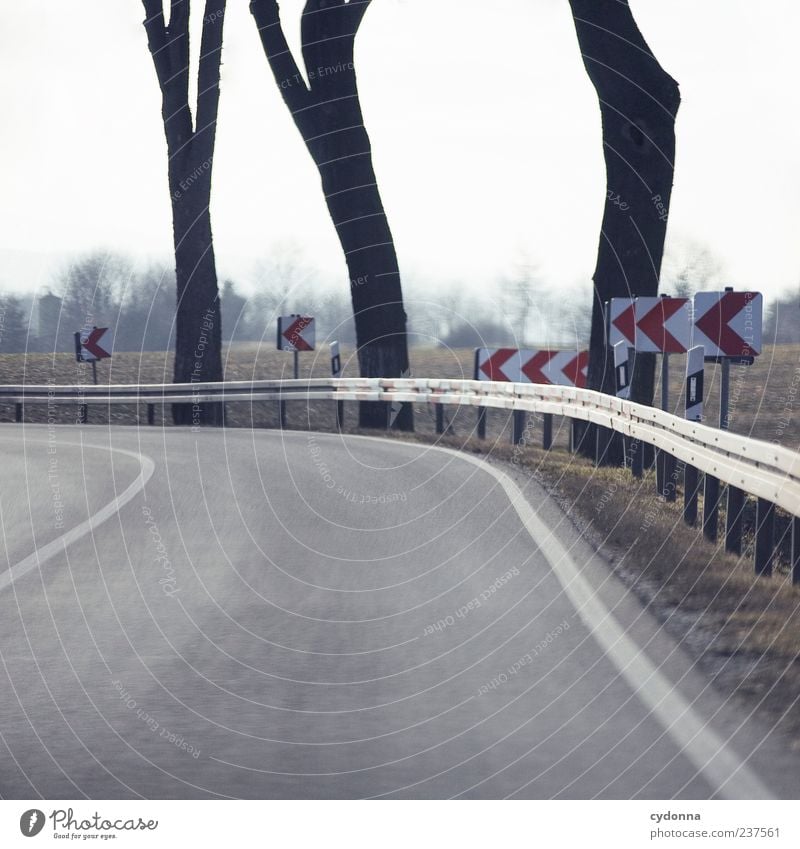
(190, 147)
(91, 289)
(13, 325)
(689, 267)
(328, 115)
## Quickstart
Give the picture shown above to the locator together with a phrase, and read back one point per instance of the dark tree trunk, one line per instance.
(328, 116)
(190, 146)
(638, 105)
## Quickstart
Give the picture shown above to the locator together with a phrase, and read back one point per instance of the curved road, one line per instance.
(273, 615)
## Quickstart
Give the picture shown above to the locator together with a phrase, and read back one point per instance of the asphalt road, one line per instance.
(267, 615)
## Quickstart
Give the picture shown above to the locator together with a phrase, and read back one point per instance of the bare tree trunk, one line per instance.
(638, 105)
(190, 146)
(328, 116)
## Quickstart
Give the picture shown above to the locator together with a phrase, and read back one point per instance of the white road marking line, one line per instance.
(57, 546)
(724, 770)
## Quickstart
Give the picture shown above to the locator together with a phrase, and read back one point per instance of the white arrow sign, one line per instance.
(663, 325)
(621, 322)
(728, 324)
(557, 368)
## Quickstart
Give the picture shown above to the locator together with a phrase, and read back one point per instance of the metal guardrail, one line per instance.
(768, 472)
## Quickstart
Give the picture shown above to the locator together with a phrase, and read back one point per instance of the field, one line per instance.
(743, 631)
(765, 397)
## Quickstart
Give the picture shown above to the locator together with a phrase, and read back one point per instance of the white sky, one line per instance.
(485, 133)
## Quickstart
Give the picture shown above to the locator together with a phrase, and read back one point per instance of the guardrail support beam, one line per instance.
(17, 412)
(733, 520)
(151, 414)
(765, 537)
(482, 422)
(691, 489)
(339, 415)
(637, 458)
(439, 418)
(795, 550)
(547, 431)
(666, 476)
(710, 507)
(518, 427)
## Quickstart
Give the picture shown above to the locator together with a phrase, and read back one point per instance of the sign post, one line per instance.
(295, 333)
(336, 370)
(88, 349)
(519, 365)
(695, 370)
(728, 326)
(663, 327)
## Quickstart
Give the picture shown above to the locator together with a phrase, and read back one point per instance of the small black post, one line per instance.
(518, 427)
(795, 550)
(666, 475)
(710, 507)
(151, 414)
(547, 431)
(482, 422)
(18, 412)
(339, 415)
(481, 410)
(282, 405)
(733, 520)
(604, 436)
(691, 487)
(439, 418)
(637, 458)
(765, 537)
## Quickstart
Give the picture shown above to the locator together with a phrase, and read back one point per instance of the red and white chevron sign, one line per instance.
(88, 345)
(663, 325)
(296, 333)
(728, 324)
(515, 365)
(621, 322)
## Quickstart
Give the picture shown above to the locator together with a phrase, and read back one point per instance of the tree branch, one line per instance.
(208, 77)
(178, 48)
(156, 30)
(358, 8)
(284, 68)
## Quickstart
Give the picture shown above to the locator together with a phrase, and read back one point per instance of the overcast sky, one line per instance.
(485, 131)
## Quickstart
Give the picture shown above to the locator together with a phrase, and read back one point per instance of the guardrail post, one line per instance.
(666, 475)
(482, 422)
(151, 414)
(17, 412)
(282, 408)
(795, 550)
(518, 427)
(547, 431)
(83, 414)
(339, 415)
(602, 444)
(637, 458)
(733, 520)
(691, 488)
(439, 418)
(765, 536)
(710, 507)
